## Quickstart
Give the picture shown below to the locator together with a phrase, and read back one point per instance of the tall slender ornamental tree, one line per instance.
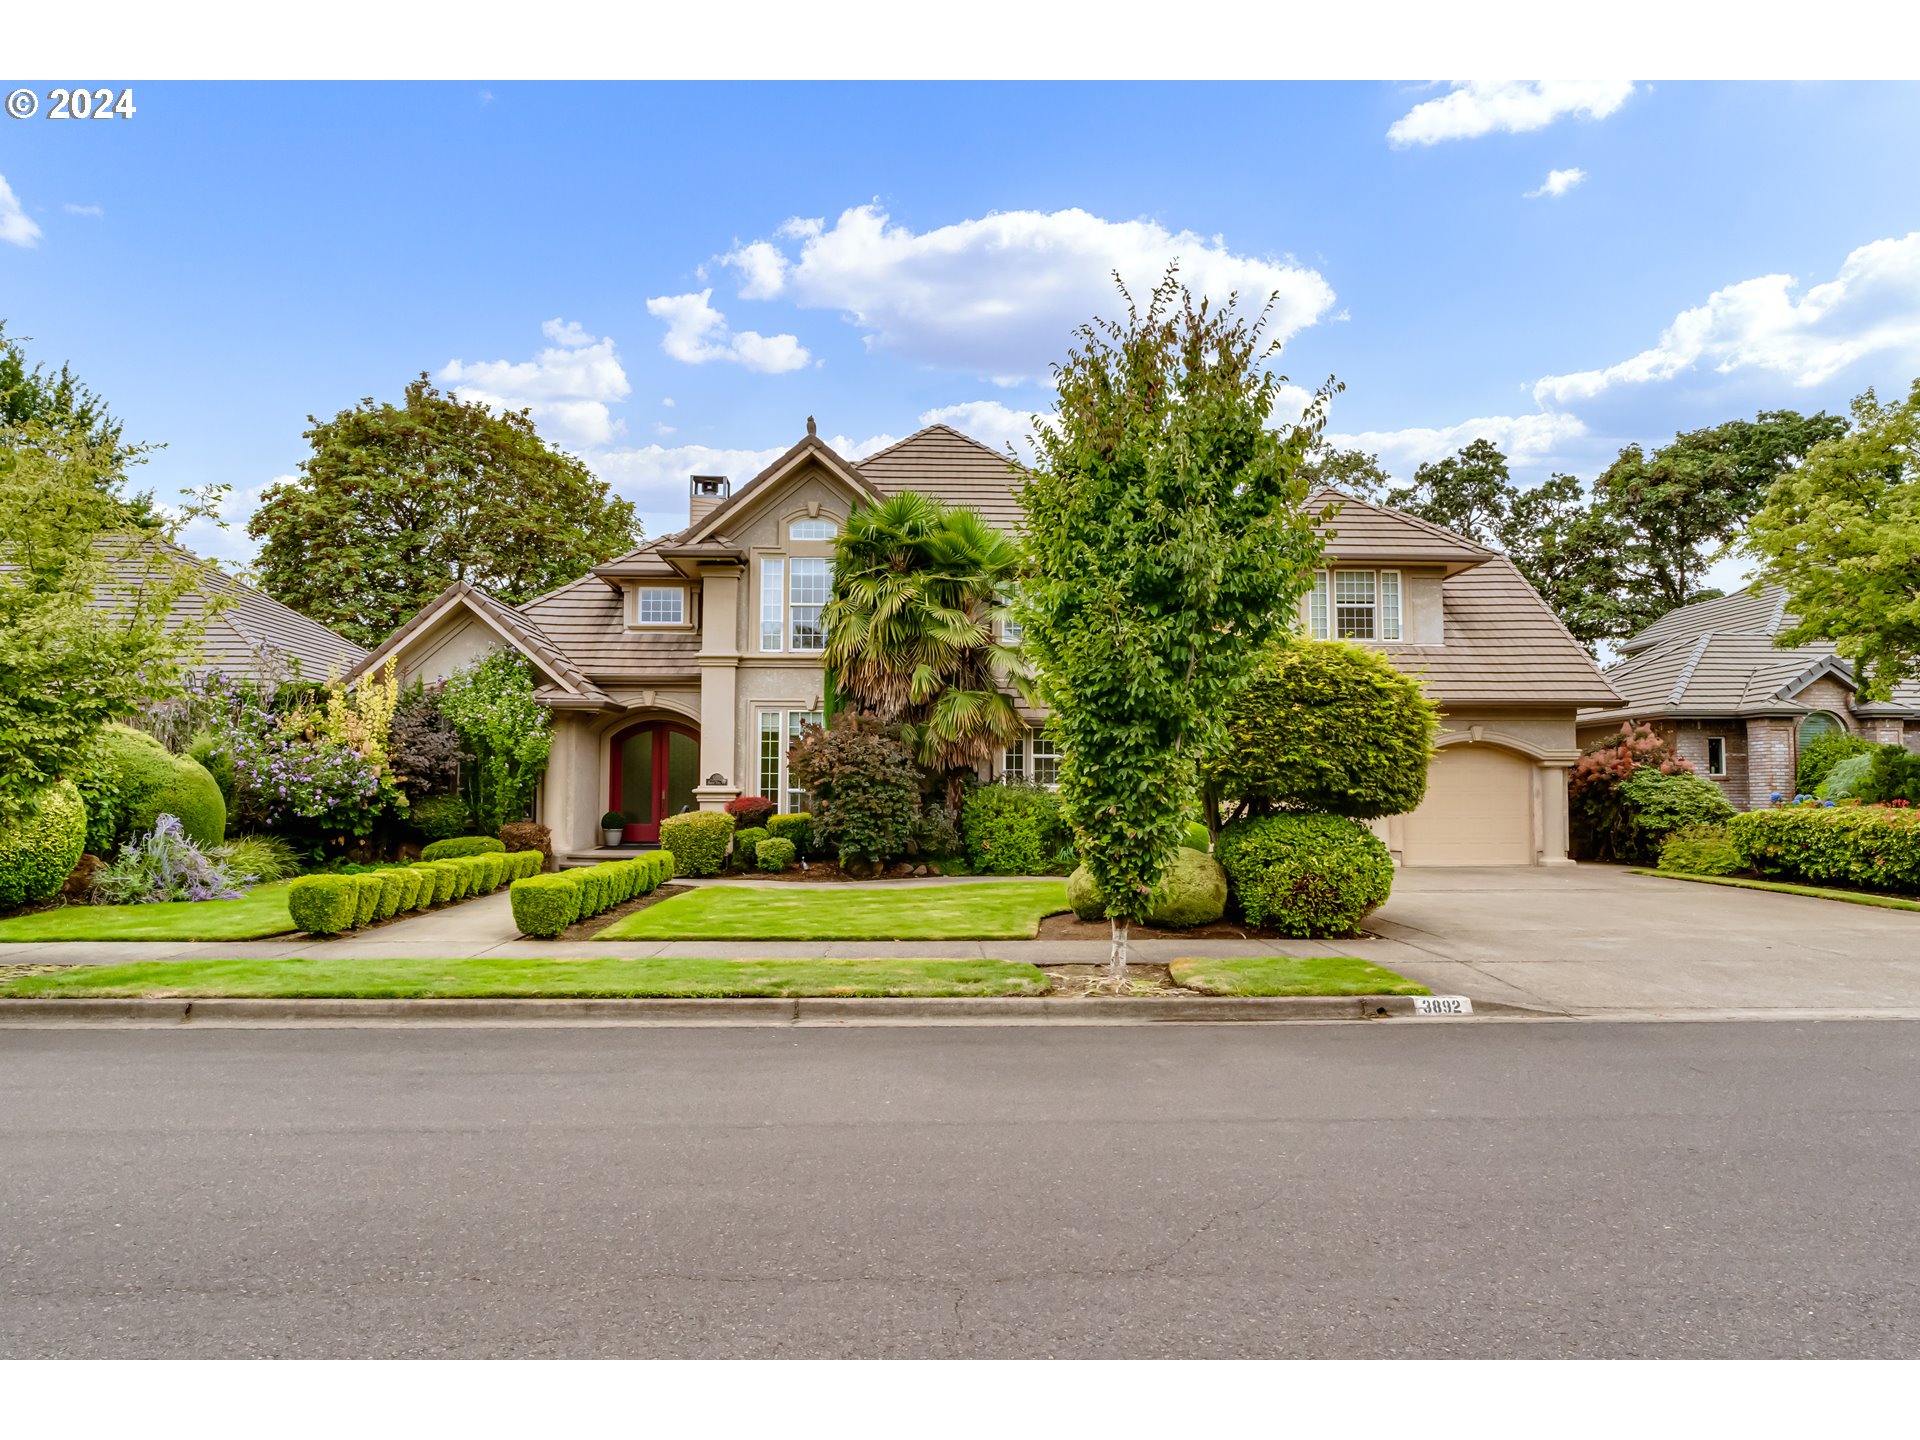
(1167, 544)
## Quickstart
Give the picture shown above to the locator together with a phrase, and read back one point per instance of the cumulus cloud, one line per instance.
(16, 226)
(1557, 183)
(991, 423)
(568, 386)
(90, 212)
(697, 333)
(999, 296)
(1524, 439)
(1479, 107)
(1872, 307)
(655, 476)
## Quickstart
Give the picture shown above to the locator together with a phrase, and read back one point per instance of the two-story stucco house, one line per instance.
(679, 674)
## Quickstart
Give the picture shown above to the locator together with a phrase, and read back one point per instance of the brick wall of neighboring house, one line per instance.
(1883, 730)
(1689, 740)
(1913, 736)
(1829, 694)
(1770, 760)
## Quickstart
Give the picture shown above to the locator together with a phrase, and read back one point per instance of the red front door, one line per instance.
(653, 771)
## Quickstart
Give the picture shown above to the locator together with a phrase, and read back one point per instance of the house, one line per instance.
(252, 636)
(1709, 679)
(679, 674)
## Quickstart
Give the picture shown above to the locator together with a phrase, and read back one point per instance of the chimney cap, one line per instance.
(709, 485)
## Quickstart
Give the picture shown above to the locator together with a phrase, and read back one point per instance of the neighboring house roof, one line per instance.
(516, 627)
(1718, 658)
(253, 636)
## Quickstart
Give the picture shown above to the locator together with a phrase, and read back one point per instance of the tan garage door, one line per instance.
(1478, 810)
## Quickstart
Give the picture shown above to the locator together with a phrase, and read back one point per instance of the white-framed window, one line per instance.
(1354, 605)
(1032, 758)
(778, 730)
(812, 530)
(1010, 631)
(773, 589)
(660, 605)
(808, 586)
(1716, 755)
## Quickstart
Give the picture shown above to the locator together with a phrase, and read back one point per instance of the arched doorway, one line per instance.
(652, 769)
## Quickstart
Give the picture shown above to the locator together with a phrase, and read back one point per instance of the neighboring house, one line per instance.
(253, 636)
(679, 674)
(1710, 680)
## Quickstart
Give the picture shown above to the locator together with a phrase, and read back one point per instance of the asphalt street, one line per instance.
(1395, 1189)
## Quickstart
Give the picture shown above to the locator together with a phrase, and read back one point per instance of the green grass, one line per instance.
(1784, 887)
(1290, 975)
(417, 979)
(262, 911)
(1007, 910)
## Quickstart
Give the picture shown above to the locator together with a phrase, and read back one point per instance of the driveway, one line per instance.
(1595, 938)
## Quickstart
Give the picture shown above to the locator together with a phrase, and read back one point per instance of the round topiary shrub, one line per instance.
(440, 817)
(1197, 837)
(544, 905)
(750, 811)
(697, 841)
(1193, 892)
(774, 854)
(1305, 874)
(149, 781)
(744, 842)
(39, 848)
(453, 849)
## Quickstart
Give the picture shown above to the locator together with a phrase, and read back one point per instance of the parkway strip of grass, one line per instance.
(1006, 910)
(1785, 887)
(261, 912)
(327, 977)
(1291, 975)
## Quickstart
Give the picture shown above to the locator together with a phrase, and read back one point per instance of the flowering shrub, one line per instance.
(750, 811)
(1606, 822)
(491, 703)
(166, 865)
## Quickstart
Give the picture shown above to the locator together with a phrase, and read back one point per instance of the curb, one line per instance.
(1107, 1010)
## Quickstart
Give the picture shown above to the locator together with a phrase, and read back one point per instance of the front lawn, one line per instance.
(1291, 975)
(261, 912)
(1009, 910)
(327, 977)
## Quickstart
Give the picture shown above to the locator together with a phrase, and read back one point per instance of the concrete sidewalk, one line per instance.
(1588, 940)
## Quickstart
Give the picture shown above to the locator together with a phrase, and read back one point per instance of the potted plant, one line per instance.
(611, 825)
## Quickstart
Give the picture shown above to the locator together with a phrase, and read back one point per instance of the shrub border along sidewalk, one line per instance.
(1784, 887)
(545, 905)
(335, 904)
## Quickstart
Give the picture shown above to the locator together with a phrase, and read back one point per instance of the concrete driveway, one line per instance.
(1595, 938)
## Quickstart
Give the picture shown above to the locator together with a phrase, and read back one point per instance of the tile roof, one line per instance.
(952, 467)
(237, 637)
(521, 629)
(587, 619)
(1360, 530)
(1718, 657)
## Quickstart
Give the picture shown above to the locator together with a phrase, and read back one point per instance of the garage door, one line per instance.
(1478, 810)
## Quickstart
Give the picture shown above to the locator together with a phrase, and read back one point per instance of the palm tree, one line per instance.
(913, 629)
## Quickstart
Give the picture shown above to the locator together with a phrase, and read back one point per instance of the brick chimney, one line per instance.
(704, 493)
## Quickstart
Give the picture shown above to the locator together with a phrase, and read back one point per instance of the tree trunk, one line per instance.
(1117, 956)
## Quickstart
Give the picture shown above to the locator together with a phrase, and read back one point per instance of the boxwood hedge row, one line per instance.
(334, 904)
(545, 905)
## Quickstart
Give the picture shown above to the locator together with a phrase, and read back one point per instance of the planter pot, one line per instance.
(631, 835)
(612, 837)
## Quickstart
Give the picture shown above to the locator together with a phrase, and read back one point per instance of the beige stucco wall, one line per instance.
(456, 639)
(1543, 736)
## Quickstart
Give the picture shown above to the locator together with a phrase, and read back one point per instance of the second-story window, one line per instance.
(773, 607)
(661, 605)
(810, 584)
(1355, 605)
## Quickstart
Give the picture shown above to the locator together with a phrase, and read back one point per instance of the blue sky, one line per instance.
(675, 276)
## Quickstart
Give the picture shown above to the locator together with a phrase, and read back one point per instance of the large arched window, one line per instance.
(1819, 725)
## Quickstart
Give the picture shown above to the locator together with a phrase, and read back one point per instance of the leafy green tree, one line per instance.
(912, 629)
(1568, 548)
(506, 729)
(1351, 472)
(1167, 544)
(1841, 532)
(1470, 492)
(396, 502)
(59, 402)
(75, 652)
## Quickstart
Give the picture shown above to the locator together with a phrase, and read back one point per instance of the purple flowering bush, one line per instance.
(166, 865)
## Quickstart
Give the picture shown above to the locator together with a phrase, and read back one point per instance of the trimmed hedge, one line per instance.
(744, 842)
(392, 889)
(1701, 850)
(331, 904)
(1013, 829)
(1305, 874)
(545, 905)
(775, 854)
(1871, 846)
(412, 882)
(797, 827)
(323, 904)
(39, 849)
(149, 781)
(367, 890)
(697, 841)
(493, 868)
(1193, 892)
(461, 845)
(440, 878)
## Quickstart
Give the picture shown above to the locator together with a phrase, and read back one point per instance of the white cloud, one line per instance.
(1524, 439)
(697, 333)
(90, 212)
(991, 423)
(1871, 307)
(567, 387)
(763, 270)
(16, 226)
(1480, 107)
(1557, 183)
(999, 296)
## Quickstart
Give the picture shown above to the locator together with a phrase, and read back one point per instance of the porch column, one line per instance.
(1553, 813)
(719, 686)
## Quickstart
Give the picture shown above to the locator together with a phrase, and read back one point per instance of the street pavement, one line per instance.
(1403, 1188)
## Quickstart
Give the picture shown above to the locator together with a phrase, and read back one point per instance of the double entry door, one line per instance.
(654, 769)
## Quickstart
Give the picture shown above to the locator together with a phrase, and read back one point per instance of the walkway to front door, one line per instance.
(654, 767)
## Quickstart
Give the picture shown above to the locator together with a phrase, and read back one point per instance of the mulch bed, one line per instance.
(1072, 982)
